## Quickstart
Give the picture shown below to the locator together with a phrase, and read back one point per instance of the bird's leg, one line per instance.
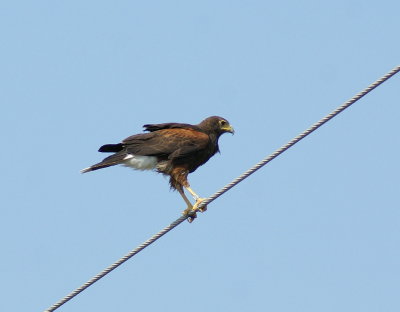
(189, 211)
(198, 200)
(187, 201)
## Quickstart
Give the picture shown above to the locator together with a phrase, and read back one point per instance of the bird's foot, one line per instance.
(197, 204)
(190, 211)
(190, 214)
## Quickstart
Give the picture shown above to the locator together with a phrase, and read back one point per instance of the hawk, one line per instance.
(173, 149)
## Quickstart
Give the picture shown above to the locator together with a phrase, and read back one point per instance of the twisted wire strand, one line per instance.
(226, 188)
(301, 136)
(117, 263)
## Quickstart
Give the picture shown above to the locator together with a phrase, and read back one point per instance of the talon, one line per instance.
(203, 209)
(191, 218)
(198, 202)
(187, 211)
(190, 214)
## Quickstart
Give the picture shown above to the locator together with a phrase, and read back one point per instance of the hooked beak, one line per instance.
(229, 129)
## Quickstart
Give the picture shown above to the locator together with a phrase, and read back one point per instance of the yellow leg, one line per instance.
(187, 201)
(189, 211)
(198, 200)
(195, 196)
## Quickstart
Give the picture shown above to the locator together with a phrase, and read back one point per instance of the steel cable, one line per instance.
(226, 188)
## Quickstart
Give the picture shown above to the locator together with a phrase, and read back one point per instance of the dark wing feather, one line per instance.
(169, 143)
(171, 125)
(111, 148)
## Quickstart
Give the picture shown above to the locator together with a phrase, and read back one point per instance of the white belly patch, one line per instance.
(140, 162)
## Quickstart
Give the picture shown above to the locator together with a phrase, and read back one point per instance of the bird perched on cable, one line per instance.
(174, 149)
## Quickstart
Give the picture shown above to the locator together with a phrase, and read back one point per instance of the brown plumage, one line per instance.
(174, 149)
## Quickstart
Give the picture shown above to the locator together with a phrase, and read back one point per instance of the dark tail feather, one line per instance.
(109, 161)
(96, 167)
(111, 148)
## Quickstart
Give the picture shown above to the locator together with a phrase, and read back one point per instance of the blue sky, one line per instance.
(318, 229)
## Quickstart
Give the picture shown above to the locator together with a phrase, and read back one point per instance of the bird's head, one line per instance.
(217, 125)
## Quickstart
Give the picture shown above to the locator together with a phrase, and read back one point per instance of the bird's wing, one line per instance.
(170, 125)
(171, 143)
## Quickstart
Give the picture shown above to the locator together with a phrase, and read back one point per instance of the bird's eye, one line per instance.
(222, 122)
